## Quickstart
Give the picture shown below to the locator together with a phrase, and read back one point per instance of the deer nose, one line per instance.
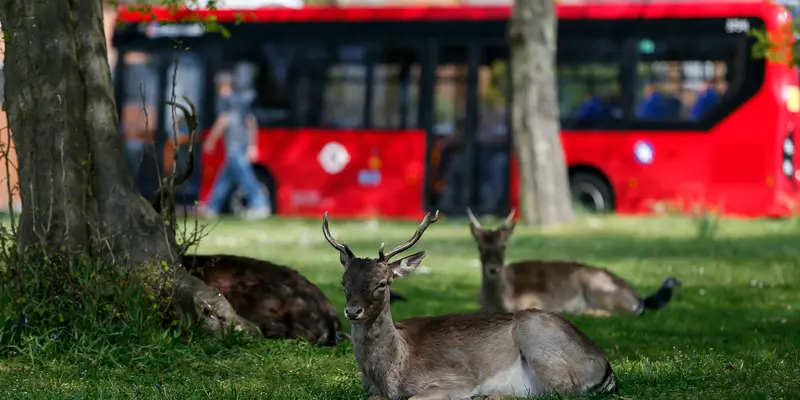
(353, 313)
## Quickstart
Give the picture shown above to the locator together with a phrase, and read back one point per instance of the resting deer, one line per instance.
(278, 300)
(555, 286)
(458, 356)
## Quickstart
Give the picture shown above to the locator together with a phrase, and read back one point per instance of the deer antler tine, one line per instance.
(426, 222)
(510, 217)
(472, 219)
(327, 233)
(381, 256)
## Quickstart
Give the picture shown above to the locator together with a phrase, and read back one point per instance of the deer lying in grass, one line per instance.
(278, 300)
(555, 286)
(461, 355)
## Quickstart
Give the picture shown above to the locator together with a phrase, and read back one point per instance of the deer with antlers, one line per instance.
(275, 299)
(458, 356)
(555, 286)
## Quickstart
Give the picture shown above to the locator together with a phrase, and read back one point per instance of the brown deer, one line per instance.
(555, 286)
(458, 356)
(278, 300)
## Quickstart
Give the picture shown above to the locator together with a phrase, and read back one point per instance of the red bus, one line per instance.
(391, 112)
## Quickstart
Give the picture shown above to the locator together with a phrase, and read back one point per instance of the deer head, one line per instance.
(492, 243)
(366, 280)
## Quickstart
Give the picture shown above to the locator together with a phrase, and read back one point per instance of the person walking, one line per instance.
(237, 124)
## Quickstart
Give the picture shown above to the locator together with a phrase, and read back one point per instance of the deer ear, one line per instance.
(475, 231)
(509, 227)
(406, 265)
(201, 307)
(345, 257)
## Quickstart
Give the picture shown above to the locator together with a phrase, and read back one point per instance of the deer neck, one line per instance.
(494, 292)
(380, 352)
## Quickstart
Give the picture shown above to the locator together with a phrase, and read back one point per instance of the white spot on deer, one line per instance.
(517, 380)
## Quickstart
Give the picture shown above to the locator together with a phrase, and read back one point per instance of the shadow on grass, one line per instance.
(611, 248)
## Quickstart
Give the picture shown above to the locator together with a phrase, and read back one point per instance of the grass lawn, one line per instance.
(731, 332)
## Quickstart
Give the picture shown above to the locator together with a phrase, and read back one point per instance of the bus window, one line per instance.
(275, 99)
(682, 80)
(309, 85)
(139, 117)
(588, 73)
(396, 88)
(492, 133)
(449, 124)
(346, 88)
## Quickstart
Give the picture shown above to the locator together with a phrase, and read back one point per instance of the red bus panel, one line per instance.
(350, 173)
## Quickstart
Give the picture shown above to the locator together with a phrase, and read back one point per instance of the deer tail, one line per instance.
(663, 295)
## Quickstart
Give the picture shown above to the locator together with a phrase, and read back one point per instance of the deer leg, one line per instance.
(443, 393)
(558, 358)
(597, 312)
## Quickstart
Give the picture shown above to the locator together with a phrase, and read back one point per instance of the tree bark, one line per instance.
(545, 195)
(77, 193)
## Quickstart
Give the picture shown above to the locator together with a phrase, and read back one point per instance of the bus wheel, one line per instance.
(237, 201)
(591, 192)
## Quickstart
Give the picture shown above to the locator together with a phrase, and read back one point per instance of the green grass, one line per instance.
(731, 332)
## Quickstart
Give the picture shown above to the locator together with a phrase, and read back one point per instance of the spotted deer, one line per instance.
(555, 286)
(458, 356)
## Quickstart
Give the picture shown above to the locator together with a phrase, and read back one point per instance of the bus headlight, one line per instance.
(788, 168)
(788, 147)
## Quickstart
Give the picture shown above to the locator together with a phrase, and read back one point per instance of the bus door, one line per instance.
(468, 149)
(144, 80)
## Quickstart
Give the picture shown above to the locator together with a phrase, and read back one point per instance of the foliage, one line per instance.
(729, 333)
(58, 306)
(778, 46)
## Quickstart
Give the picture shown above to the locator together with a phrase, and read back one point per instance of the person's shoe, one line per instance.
(258, 213)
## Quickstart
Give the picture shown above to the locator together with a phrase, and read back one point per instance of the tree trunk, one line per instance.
(546, 198)
(77, 193)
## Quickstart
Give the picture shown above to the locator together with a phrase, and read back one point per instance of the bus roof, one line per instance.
(597, 9)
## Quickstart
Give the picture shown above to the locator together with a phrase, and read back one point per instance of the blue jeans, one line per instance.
(237, 171)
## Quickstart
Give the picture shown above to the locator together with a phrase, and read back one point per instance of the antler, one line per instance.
(472, 219)
(169, 182)
(426, 222)
(191, 123)
(510, 217)
(327, 232)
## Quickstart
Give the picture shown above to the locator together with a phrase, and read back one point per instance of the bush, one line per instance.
(91, 311)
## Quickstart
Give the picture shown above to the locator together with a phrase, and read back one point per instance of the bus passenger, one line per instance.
(592, 108)
(658, 105)
(235, 120)
(706, 100)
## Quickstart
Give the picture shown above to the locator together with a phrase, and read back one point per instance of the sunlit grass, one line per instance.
(732, 331)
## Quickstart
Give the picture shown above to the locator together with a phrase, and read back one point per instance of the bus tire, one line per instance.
(591, 191)
(236, 202)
